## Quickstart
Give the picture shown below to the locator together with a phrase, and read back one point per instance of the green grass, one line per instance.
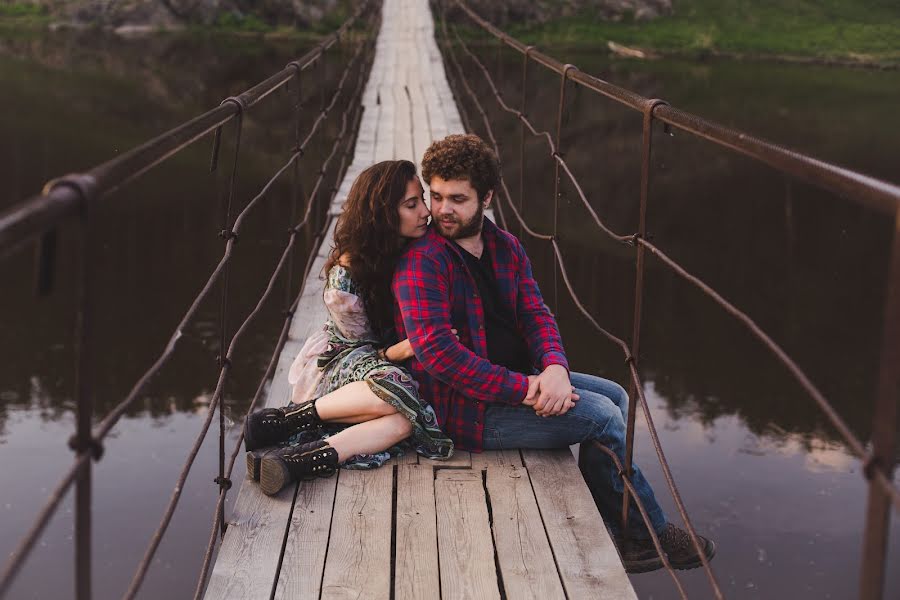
(17, 17)
(21, 9)
(852, 30)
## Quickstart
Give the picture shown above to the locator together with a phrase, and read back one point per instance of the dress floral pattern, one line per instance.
(345, 351)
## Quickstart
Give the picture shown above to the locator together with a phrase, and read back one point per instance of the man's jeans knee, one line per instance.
(598, 415)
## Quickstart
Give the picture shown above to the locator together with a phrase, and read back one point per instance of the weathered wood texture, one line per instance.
(523, 551)
(416, 558)
(460, 528)
(585, 555)
(359, 551)
(464, 536)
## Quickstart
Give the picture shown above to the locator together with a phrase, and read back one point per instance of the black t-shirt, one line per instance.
(505, 345)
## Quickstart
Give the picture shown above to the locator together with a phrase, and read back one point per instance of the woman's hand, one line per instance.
(399, 352)
(402, 351)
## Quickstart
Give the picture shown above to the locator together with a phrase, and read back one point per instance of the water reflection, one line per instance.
(756, 462)
(69, 103)
(808, 266)
(758, 465)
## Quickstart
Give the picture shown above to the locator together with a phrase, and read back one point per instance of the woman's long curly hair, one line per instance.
(367, 235)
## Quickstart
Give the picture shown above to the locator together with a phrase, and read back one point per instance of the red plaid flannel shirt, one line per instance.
(435, 291)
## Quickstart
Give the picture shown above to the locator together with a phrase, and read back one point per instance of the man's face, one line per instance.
(455, 208)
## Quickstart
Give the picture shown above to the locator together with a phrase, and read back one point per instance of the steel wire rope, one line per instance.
(37, 213)
(855, 445)
(226, 364)
(112, 417)
(629, 359)
(278, 347)
(861, 188)
(26, 544)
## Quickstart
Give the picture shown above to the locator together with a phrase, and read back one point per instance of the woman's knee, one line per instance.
(382, 408)
(376, 406)
(400, 425)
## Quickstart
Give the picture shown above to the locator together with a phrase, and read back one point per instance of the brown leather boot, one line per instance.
(640, 556)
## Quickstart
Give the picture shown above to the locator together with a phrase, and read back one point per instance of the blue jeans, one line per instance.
(599, 415)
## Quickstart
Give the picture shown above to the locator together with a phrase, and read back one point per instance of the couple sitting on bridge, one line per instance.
(481, 365)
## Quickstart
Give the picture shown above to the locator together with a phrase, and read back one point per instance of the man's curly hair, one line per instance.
(463, 157)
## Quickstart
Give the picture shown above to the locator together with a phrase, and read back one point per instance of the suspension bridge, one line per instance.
(516, 524)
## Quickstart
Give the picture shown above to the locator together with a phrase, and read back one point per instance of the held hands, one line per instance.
(550, 393)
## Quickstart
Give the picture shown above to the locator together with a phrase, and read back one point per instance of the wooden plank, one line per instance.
(465, 550)
(459, 460)
(358, 564)
(403, 143)
(526, 561)
(585, 555)
(248, 559)
(496, 458)
(410, 458)
(416, 562)
(307, 541)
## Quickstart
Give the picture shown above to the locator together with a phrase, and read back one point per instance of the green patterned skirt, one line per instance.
(348, 361)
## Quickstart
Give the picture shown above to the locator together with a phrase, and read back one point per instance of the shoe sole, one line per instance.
(273, 476)
(254, 457)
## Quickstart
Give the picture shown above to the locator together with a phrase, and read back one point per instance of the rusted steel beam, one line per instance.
(38, 213)
(884, 436)
(872, 192)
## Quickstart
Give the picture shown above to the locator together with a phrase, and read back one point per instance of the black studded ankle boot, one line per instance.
(286, 465)
(272, 426)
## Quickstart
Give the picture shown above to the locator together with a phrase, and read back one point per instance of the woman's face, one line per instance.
(412, 211)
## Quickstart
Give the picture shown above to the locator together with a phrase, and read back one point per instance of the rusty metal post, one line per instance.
(83, 440)
(317, 219)
(296, 189)
(522, 107)
(884, 435)
(646, 144)
(226, 234)
(45, 263)
(558, 154)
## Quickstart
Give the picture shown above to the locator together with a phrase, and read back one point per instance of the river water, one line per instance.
(758, 467)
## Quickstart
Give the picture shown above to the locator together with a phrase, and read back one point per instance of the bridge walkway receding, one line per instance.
(514, 524)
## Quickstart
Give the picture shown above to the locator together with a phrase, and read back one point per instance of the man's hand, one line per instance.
(554, 392)
(533, 389)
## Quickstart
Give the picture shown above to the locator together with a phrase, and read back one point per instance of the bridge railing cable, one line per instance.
(878, 462)
(74, 195)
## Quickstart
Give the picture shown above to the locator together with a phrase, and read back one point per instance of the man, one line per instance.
(505, 382)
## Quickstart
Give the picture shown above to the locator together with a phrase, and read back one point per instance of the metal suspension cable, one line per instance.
(29, 217)
(853, 443)
(32, 216)
(280, 343)
(629, 358)
(873, 192)
(229, 355)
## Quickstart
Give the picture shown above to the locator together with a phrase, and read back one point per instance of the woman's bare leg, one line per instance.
(370, 437)
(352, 403)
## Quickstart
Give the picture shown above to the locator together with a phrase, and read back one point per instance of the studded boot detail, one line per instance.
(296, 463)
(272, 426)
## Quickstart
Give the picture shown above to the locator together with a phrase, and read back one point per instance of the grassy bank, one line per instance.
(21, 19)
(853, 31)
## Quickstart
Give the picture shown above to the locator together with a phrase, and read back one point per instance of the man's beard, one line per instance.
(470, 228)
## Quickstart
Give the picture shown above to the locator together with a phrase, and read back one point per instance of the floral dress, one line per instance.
(345, 351)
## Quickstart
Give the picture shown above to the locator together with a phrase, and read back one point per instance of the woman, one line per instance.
(363, 404)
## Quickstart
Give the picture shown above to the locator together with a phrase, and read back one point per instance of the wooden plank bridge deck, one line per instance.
(499, 524)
